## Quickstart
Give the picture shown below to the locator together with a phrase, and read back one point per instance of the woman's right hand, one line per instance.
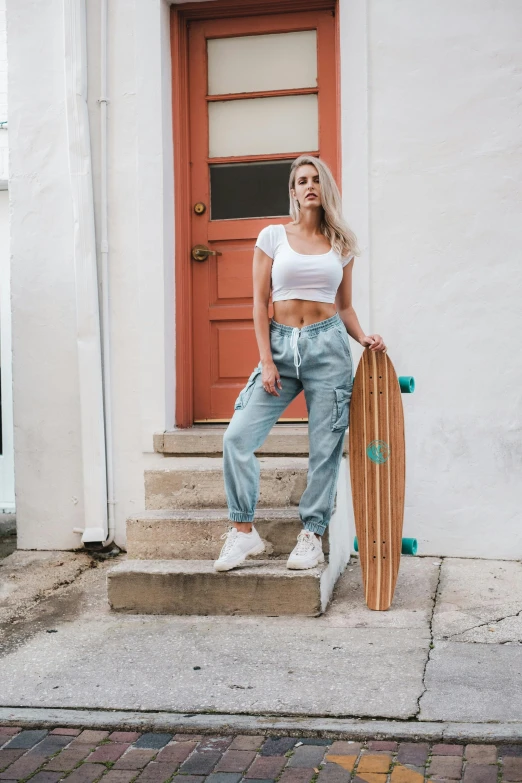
(271, 379)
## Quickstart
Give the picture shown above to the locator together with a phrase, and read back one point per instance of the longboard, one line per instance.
(377, 469)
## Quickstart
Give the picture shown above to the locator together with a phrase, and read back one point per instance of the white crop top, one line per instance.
(299, 275)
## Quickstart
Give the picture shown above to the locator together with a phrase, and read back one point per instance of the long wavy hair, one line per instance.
(333, 225)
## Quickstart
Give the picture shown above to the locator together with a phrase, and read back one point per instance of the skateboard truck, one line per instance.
(409, 546)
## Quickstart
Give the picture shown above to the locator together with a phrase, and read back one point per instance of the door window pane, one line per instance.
(251, 63)
(257, 126)
(247, 190)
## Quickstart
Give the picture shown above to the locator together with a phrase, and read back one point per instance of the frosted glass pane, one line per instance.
(257, 126)
(250, 63)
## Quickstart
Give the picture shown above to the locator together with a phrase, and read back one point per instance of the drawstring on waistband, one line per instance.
(306, 331)
(293, 343)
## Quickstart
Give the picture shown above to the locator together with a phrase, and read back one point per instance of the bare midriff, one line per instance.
(302, 312)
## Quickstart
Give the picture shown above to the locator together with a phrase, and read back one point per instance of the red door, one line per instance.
(262, 90)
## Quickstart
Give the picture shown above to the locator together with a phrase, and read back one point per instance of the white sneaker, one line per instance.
(237, 547)
(307, 553)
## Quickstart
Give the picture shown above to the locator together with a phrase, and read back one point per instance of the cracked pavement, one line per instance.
(449, 649)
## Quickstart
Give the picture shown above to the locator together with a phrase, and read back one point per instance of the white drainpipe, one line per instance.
(93, 368)
(104, 253)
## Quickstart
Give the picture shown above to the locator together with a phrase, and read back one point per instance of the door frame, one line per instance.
(180, 16)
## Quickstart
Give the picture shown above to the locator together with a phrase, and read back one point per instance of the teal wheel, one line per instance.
(409, 546)
(407, 384)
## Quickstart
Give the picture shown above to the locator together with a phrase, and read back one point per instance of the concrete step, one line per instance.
(195, 534)
(185, 587)
(197, 482)
(283, 440)
(179, 586)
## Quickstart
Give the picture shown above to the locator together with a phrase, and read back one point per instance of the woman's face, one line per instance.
(307, 189)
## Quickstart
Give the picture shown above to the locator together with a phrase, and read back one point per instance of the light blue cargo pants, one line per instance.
(318, 359)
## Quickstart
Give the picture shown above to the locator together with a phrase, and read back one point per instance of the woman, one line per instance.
(308, 266)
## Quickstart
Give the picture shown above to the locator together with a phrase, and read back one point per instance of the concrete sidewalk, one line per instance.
(448, 652)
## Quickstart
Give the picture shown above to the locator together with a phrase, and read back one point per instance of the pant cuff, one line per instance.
(315, 527)
(240, 516)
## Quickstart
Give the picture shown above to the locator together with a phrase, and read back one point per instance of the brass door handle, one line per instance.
(202, 252)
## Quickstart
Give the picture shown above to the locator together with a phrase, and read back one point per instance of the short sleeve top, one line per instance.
(297, 275)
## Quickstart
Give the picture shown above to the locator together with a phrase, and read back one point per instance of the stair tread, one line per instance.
(285, 439)
(200, 430)
(275, 568)
(209, 514)
(216, 463)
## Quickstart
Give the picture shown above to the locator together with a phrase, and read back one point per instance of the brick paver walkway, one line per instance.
(88, 756)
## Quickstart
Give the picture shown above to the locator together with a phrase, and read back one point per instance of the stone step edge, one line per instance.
(188, 587)
(211, 514)
(284, 439)
(276, 568)
(210, 464)
(195, 534)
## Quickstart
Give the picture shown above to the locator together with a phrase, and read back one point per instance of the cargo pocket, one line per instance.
(246, 393)
(341, 409)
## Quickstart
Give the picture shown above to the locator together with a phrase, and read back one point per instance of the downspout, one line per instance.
(104, 257)
(99, 526)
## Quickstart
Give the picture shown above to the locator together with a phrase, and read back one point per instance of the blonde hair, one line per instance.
(333, 224)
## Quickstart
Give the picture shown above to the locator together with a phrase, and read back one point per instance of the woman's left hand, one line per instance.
(373, 341)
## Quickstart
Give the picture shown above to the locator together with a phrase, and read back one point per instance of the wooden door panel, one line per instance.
(234, 229)
(233, 275)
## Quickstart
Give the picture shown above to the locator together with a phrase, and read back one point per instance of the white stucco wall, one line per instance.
(431, 166)
(4, 156)
(7, 494)
(7, 491)
(47, 423)
(446, 231)
(45, 388)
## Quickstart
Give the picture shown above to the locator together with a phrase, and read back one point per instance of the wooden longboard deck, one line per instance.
(377, 469)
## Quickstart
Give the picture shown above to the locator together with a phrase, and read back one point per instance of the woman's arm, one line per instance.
(348, 315)
(262, 273)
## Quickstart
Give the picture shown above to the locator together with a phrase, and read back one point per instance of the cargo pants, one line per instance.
(317, 359)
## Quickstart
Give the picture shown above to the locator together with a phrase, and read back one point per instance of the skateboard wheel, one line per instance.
(409, 546)
(407, 384)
